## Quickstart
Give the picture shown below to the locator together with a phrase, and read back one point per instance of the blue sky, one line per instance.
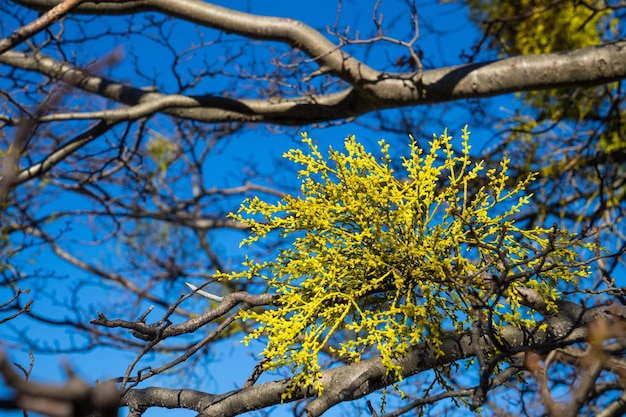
(445, 32)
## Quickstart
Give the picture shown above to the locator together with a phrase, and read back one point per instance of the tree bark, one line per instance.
(584, 67)
(354, 381)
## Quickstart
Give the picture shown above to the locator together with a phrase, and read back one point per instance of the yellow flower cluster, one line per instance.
(387, 261)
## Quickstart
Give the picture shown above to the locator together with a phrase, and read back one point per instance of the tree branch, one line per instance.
(59, 155)
(74, 399)
(289, 31)
(39, 24)
(583, 67)
(350, 382)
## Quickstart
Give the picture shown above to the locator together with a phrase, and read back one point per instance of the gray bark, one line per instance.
(585, 67)
(353, 381)
(367, 89)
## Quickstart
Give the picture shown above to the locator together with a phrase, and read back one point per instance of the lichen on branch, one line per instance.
(396, 259)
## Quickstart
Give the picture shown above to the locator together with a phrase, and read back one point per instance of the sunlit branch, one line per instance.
(584, 67)
(353, 381)
(39, 24)
(148, 332)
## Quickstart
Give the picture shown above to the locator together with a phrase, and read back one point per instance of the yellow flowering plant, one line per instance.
(396, 260)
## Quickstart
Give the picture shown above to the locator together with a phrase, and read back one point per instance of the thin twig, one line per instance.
(42, 22)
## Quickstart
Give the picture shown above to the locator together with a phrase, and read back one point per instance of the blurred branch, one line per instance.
(7, 306)
(73, 399)
(55, 157)
(36, 26)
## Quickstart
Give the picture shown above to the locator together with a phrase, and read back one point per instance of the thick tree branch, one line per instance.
(289, 31)
(584, 67)
(356, 380)
(154, 190)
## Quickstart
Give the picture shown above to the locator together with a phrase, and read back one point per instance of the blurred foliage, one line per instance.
(574, 137)
(162, 151)
(531, 27)
(528, 27)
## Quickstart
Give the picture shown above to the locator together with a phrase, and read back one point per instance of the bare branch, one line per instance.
(36, 26)
(59, 155)
(289, 31)
(148, 332)
(353, 381)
